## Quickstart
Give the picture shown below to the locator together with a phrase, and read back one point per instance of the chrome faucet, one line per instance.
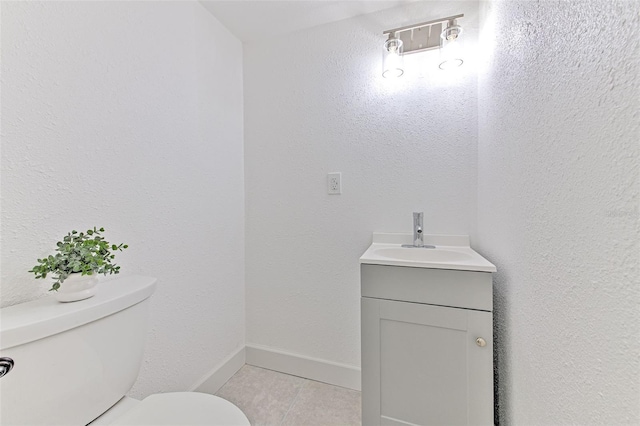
(418, 236)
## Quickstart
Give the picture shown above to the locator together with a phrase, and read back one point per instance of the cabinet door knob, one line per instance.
(481, 342)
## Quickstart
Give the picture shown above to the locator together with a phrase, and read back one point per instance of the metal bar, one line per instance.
(423, 24)
(424, 49)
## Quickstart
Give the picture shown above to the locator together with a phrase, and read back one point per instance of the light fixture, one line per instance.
(420, 38)
(392, 66)
(451, 46)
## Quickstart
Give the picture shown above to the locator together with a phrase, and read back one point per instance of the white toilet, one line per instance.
(74, 362)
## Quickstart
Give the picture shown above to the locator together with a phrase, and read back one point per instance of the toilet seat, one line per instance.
(183, 408)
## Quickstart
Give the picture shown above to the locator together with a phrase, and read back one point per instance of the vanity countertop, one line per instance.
(450, 252)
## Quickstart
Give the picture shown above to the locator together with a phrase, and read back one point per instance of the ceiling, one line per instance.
(252, 20)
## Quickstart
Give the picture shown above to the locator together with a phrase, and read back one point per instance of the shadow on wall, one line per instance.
(500, 340)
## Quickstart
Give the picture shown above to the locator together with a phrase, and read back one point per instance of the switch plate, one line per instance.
(334, 183)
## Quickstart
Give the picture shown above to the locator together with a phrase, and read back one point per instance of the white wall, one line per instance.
(128, 115)
(315, 102)
(558, 207)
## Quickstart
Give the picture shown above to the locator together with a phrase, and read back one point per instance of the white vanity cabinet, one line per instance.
(427, 346)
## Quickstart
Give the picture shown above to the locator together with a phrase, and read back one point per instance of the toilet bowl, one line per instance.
(73, 363)
(175, 408)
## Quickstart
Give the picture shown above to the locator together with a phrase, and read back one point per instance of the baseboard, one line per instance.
(321, 370)
(221, 373)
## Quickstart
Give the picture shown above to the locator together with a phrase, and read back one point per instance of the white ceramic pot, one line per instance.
(77, 287)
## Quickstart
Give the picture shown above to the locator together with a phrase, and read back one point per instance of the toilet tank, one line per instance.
(73, 361)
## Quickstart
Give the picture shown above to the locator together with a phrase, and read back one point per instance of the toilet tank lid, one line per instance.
(26, 322)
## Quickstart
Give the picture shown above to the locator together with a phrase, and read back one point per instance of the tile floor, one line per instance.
(271, 398)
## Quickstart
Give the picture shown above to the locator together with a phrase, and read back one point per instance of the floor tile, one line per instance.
(264, 396)
(326, 405)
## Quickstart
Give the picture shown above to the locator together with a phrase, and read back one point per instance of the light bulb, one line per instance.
(392, 58)
(451, 49)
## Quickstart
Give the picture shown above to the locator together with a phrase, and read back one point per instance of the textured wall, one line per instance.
(128, 115)
(315, 102)
(558, 207)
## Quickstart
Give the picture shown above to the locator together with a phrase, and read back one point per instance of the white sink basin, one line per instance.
(451, 252)
(423, 254)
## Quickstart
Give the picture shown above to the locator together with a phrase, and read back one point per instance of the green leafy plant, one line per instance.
(86, 253)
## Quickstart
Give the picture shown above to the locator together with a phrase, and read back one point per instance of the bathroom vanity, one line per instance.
(427, 333)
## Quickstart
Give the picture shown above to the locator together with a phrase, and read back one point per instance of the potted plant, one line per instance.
(79, 257)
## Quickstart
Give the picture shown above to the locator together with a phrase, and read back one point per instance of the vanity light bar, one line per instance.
(423, 36)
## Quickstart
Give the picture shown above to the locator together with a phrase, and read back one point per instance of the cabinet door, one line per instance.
(421, 364)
